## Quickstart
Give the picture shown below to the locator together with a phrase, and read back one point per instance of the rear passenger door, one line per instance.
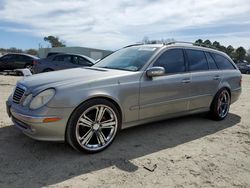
(20, 61)
(227, 70)
(62, 62)
(205, 78)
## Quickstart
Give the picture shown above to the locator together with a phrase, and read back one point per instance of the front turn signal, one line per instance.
(52, 119)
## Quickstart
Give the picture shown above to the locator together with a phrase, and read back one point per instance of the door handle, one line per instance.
(186, 81)
(217, 77)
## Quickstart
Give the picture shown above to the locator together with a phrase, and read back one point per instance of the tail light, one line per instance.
(35, 62)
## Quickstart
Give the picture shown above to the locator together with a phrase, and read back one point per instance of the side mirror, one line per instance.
(155, 71)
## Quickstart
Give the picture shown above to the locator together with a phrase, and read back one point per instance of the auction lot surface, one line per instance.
(184, 152)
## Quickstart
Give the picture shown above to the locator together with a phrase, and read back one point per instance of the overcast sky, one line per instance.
(111, 24)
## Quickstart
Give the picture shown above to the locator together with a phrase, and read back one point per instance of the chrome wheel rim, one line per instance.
(223, 104)
(96, 127)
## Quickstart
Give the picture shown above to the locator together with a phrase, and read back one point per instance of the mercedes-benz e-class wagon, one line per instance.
(87, 106)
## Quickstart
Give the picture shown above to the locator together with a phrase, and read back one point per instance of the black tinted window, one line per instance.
(211, 62)
(6, 57)
(81, 61)
(222, 62)
(65, 58)
(23, 58)
(172, 61)
(197, 60)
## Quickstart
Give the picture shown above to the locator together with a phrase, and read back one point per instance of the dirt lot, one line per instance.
(184, 152)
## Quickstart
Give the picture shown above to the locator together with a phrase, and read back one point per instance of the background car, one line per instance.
(13, 61)
(61, 61)
(244, 68)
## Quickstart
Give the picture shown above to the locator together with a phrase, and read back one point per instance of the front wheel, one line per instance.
(220, 105)
(93, 126)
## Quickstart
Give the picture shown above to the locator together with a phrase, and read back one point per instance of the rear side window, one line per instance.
(197, 60)
(172, 61)
(81, 61)
(23, 58)
(64, 58)
(222, 62)
(211, 63)
(7, 57)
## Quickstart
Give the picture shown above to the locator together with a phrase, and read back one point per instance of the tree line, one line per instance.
(18, 50)
(237, 54)
(52, 40)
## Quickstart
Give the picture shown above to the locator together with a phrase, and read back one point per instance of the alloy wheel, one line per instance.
(96, 127)
(223, 103)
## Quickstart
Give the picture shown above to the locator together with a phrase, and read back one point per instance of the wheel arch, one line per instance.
(113, 101)
(219, 90)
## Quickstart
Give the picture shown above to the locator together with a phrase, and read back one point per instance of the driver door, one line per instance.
(169, 93)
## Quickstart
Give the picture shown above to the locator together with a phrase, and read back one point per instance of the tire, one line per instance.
(93, 126)
(47, 70)
(28, 66)
(247, 72)
(220, 105)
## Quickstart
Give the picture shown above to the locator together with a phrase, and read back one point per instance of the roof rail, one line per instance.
(184, 42)
(136, 44)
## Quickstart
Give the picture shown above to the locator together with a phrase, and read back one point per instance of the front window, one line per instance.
(172, 61)
(129, 59)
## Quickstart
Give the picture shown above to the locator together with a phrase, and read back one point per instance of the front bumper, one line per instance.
(34, 126)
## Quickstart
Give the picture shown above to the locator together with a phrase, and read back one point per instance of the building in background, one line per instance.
(90, 52)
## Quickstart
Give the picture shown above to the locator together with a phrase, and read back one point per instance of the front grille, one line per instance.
(18, 94)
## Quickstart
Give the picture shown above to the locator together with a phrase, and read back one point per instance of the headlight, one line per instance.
(27, 100)
(42, 98)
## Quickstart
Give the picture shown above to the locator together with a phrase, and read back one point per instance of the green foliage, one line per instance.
(31, 51)
(16, 50)
(238, 54)
(241, 53)
(54, 41)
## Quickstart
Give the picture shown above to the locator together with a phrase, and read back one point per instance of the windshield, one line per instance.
(130, 59)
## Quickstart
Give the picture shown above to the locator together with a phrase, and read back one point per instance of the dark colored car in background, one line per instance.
(244, 68)
(13, 61)
(62, 61)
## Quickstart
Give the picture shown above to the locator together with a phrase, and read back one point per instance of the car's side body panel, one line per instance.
(203, 86)
(162, 95)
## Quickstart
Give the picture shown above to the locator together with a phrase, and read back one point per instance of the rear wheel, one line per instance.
(93, 126)
(220, 105)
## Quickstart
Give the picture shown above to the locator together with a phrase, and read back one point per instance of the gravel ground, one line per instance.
(183, 152)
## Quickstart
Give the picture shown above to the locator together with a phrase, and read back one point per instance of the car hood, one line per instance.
(72, 77)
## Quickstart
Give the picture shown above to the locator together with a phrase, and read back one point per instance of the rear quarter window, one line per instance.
(222, 62)
(211, 62)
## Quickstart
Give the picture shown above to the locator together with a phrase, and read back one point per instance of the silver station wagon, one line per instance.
(138, 84)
